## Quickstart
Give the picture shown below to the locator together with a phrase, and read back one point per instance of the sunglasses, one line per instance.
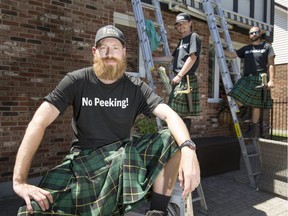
(255, 32)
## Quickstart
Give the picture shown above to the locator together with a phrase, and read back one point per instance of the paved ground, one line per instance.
(227, 194)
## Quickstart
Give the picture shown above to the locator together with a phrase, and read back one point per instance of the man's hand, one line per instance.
(31, 192)
(189, 171)
(270, 84)
(176, 80)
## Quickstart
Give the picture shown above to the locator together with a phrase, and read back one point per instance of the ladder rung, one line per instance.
(196, 199)
(248, 138)
(256, 173)
(148, 6)
(220, 30)
(253, 155)
(157, 24)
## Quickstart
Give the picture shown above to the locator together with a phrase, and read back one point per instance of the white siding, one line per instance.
(244, 7)
(259, 10)
(227, 4)
(282, 2)
(280, 42)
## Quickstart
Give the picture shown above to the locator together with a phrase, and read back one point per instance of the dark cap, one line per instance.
(109, 31)
(182, 17)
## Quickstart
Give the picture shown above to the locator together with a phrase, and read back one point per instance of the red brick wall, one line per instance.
(40, 42)
(281, 79)
(279, 94)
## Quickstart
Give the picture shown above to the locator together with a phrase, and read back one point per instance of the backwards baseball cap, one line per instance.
(182, 17)
(109, 31)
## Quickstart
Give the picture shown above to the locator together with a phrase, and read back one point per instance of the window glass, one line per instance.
(135, 64)
(214, 76)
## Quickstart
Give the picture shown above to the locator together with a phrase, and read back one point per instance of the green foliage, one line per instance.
(146, 125)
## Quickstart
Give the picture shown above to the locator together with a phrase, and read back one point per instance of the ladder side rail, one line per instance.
(163, 34)
(163, 31)
(227, 39)
(226, 81)
(232, 106)
(145, 47)
(243, 148)
(144, 40)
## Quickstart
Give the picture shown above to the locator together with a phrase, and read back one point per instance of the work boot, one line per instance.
(252, 131)
(155, 213)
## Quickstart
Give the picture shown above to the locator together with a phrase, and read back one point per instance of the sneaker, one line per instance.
(155, 213)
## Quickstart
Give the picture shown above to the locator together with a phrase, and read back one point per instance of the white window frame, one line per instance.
(126, 20)
(215, 98)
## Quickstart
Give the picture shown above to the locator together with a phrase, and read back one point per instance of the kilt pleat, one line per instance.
(110, 180)
(179, 102)
(245, 92)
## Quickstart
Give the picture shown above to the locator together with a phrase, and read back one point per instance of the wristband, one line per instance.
(179, 76)
(188, 143)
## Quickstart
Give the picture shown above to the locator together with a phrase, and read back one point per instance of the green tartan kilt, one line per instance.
(110, 180)
(179, 102)
(245, 92)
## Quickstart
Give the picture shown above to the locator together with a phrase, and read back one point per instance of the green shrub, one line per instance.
(146, 125)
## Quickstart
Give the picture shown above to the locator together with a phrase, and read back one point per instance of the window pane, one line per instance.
(132, 47)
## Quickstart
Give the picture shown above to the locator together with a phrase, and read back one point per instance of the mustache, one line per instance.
(109, 59)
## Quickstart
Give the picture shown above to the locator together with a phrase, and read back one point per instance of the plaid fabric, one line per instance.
(244, 91)
(179, 102)
(107, 181)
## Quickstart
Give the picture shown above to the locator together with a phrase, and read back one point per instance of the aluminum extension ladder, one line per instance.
(185, 209)
(215, 17)
(144, 40)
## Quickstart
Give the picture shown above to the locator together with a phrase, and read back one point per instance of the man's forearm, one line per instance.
(271, 72)
(187, 65)
(43, 117)
(178, 128)
(174, 122)
(26, 152)
(230, 54)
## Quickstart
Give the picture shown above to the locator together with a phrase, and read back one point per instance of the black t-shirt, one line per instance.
(102, 113)
(187, 45)
(255, 58)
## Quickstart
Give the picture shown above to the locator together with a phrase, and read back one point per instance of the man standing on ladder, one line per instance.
(184, 98)
(258, 60)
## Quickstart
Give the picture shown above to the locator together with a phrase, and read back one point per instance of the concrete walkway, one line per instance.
(227, 194)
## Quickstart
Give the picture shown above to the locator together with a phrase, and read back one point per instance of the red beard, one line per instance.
(109, 72)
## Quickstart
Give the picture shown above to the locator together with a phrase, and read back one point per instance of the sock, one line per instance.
(159, 202)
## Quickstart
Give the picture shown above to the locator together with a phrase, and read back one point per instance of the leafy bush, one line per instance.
(146, 125)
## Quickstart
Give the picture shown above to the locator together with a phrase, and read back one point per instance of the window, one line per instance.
(135, 63)
(214, 76)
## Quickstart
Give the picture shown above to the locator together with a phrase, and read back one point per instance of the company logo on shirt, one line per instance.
(105, 103)
(185, 45)
(255, 51)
